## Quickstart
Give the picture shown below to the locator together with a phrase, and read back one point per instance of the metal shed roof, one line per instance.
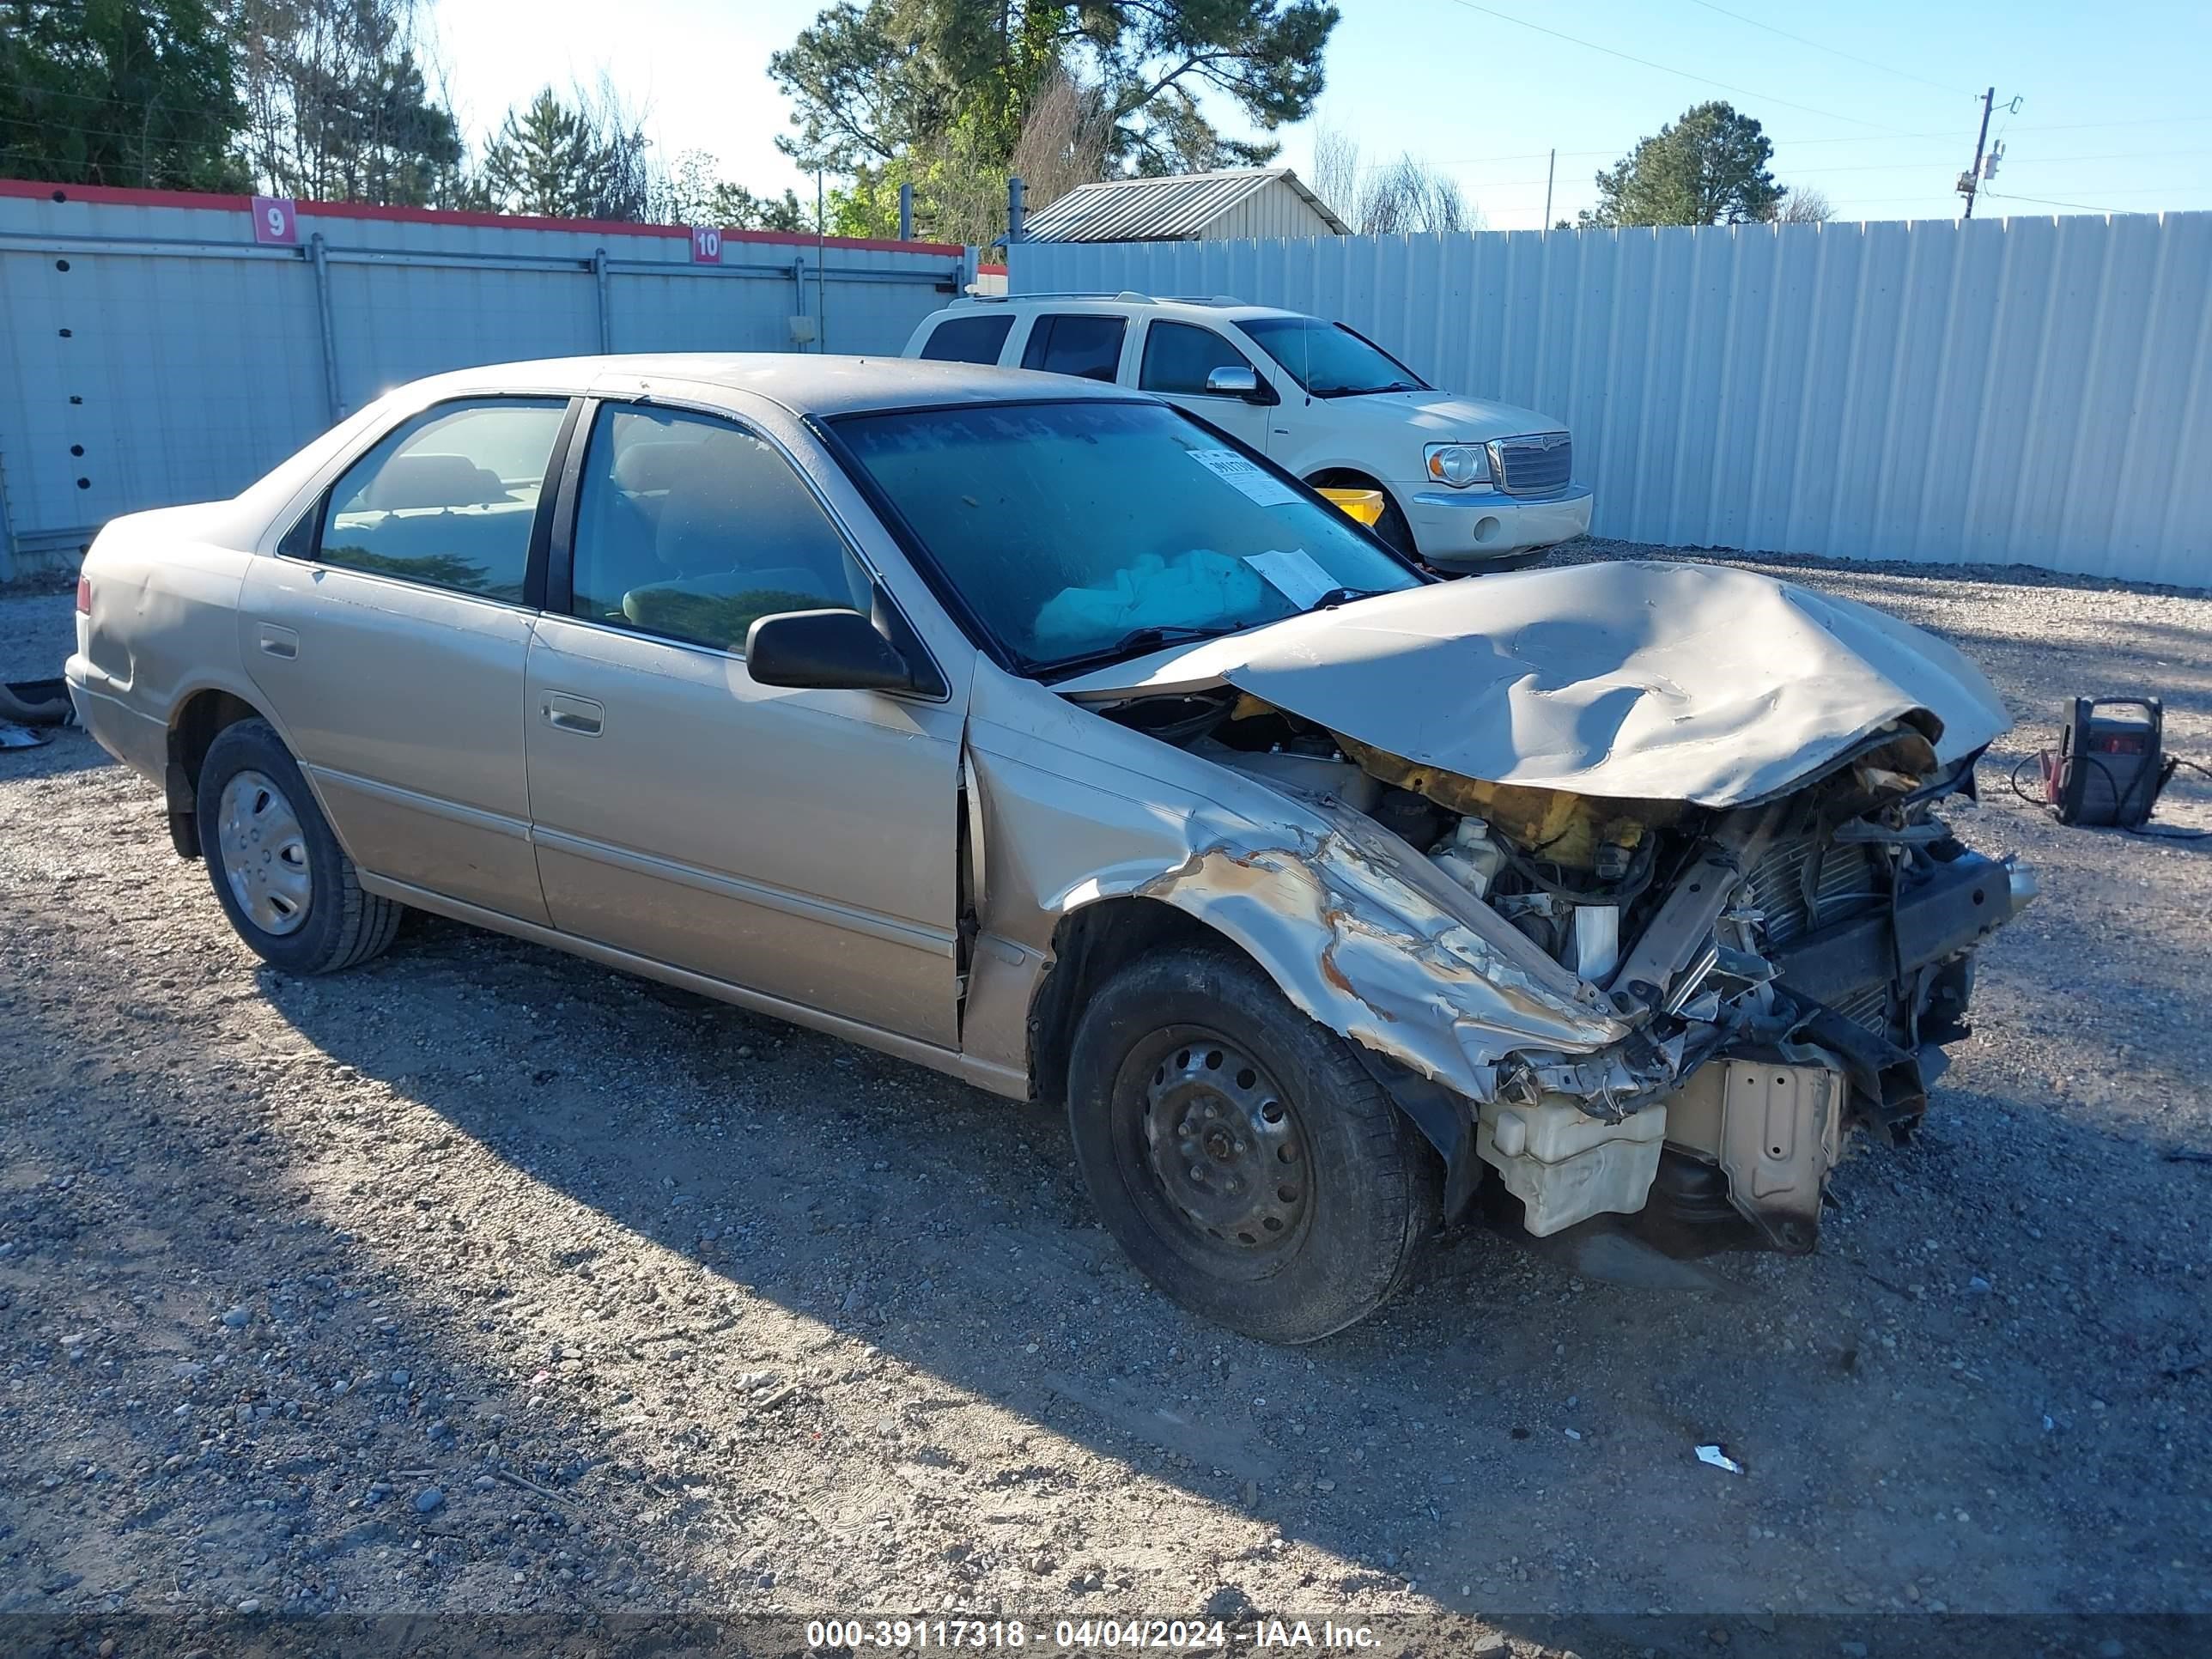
(1168, 209)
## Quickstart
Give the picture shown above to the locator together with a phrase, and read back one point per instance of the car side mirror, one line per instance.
(1238, 381)
(835, 650)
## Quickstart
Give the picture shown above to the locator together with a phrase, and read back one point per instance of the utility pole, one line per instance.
(1971, 181)
(1550, 168)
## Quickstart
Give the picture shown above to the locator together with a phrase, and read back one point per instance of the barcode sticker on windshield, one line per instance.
(1234, 470)
(1293, 574)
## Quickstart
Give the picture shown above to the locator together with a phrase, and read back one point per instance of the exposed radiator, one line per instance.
(1868, 1007)
(1849, 880)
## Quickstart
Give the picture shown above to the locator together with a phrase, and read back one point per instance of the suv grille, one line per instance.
(1542, 464)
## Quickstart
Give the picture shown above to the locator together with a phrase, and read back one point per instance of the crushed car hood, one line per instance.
(1637, 681)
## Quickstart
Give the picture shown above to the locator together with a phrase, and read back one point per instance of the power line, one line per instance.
(1833, 51)
(1951, 135)
(2010, 161)
(1624, 149)
(2142, 121)
(2006, 196)
(1946, 136)
(2040, 201)
(1889, 167)
(1702, 80)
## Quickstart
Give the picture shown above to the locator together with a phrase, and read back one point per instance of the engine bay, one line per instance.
(1790, 965)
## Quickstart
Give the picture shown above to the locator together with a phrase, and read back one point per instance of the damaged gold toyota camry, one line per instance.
(1035, 732)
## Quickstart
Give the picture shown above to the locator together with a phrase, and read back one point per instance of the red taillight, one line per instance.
(84, 596)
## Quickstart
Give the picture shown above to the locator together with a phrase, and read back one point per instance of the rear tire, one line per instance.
(1248, 1163)
(280, 875)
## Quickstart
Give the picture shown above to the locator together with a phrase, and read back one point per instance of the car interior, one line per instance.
(696, 529)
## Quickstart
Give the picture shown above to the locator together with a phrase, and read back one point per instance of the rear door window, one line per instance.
(968, 339)
(1087, 346)
(448, 498)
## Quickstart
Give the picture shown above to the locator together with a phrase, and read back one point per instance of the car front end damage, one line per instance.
(1687, 1006)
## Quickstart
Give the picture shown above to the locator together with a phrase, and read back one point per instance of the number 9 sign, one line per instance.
(706, 245)
(276, 220)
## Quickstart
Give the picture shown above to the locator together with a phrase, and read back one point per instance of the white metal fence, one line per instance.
(2010, 390)
(161, 349)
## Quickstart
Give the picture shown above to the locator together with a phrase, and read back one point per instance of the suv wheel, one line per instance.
(1392, 527)
(279, 873)
(1252, 1168)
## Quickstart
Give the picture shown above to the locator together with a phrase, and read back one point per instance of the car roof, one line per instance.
(1198, 308)
(804, 383)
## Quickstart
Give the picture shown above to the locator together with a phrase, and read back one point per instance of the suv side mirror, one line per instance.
(1238, 381)
(837, 650)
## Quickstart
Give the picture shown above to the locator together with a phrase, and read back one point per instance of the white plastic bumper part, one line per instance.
(1466, 529)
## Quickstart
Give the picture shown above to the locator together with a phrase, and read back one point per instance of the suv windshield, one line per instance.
(1328, 359)
(1080, 533)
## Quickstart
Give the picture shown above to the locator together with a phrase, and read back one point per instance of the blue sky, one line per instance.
(2113, 115)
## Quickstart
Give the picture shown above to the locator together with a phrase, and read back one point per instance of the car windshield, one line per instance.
(1328, 359)
(1080, 533)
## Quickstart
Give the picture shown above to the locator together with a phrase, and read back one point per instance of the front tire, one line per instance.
(280, 875)
(1392, 527)
(1239, 1152)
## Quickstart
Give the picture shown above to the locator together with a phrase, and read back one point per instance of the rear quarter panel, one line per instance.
(164, 619)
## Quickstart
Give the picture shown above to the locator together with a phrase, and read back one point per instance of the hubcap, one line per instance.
(264, 853)
(1226, 1145)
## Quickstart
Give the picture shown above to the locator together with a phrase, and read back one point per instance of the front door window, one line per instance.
(692, 528)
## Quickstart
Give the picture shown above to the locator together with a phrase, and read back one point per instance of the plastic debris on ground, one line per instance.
(1718, 1456)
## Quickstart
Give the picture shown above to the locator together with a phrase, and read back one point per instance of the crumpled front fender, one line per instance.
(1361, 942)
(1359, 931)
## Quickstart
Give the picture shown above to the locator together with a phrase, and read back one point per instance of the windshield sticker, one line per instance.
(1234, 470)
(1294, 574)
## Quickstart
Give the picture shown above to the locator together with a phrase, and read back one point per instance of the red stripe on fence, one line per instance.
(118, 195)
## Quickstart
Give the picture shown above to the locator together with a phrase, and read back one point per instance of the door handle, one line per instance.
(565, 713)
(279, 642)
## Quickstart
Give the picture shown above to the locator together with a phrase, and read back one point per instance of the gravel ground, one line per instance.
(484, 1279)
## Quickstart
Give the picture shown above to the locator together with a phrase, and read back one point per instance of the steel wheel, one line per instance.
(1226, 1146)
(264, 853)
(1251, 1165)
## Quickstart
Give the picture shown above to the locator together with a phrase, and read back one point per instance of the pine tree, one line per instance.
(1707, 168)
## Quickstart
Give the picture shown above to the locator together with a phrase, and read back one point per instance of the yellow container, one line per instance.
(1363, 505)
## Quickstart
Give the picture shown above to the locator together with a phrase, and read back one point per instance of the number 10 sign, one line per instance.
(706, 245)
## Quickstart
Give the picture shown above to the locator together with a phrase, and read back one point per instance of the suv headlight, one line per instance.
(1457, 465)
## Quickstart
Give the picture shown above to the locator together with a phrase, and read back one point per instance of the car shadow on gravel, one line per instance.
(68, 751)
(1512, 1434)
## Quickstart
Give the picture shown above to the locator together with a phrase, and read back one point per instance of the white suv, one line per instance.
(1467, 482)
